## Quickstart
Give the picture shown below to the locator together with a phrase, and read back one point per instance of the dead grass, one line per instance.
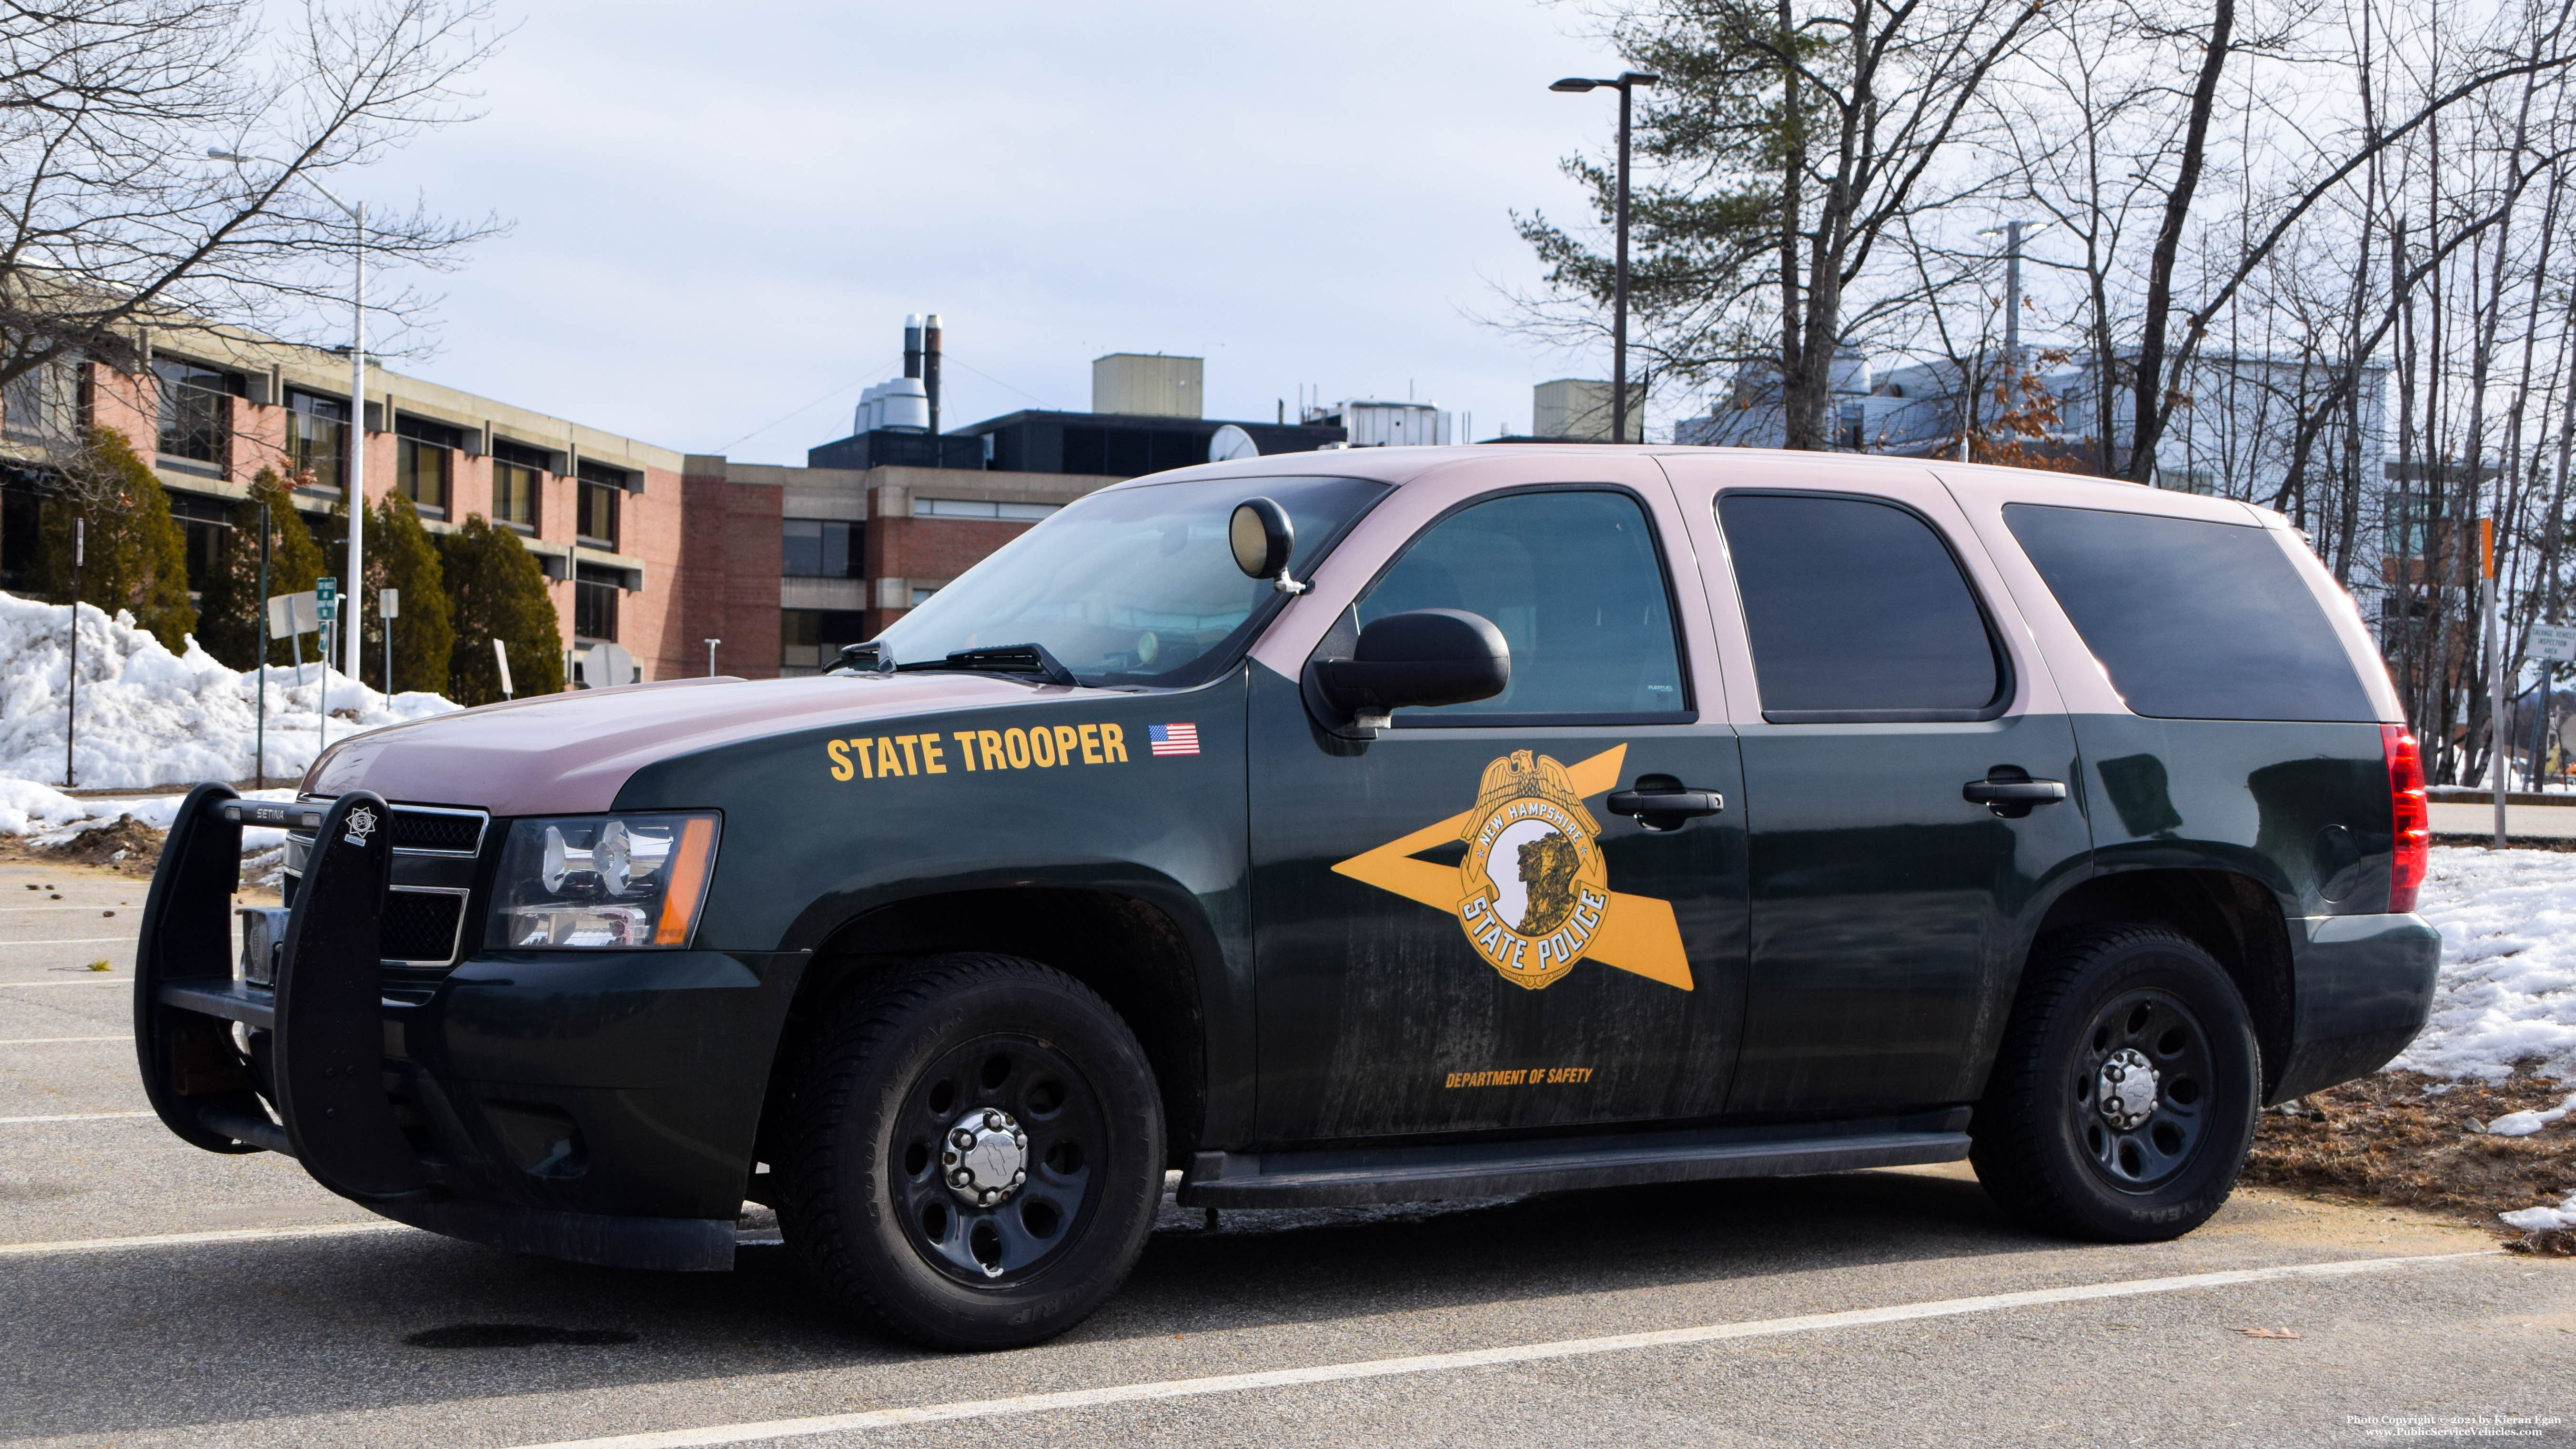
(2409, 1140)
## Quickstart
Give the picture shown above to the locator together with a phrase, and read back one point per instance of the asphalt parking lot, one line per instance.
(154, 1294)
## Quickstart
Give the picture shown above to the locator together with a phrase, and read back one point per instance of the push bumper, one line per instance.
(2362, 987)
(598, 1108)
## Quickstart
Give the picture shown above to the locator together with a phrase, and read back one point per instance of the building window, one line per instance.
(203, 522)
(196, 416)
(425, 461)
(601, 490)
(812, 638)
(594, 601)
(317, 438)
(976, 508)
(514, 495)
(821, 548)
(42, 405)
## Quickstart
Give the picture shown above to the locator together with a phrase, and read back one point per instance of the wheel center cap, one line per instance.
(985, 1157)
(2127, 1089)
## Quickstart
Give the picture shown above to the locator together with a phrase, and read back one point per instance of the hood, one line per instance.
(569, 754)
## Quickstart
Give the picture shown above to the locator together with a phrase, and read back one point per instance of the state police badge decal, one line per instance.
(1533, 879)
(1533, 893)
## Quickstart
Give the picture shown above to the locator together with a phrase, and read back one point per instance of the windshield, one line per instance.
(1134, 585)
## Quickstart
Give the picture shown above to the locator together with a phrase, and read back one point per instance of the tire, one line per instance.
(2068, 1140)
(1045, 1079)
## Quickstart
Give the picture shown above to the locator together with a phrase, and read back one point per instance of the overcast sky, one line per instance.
(722, 214)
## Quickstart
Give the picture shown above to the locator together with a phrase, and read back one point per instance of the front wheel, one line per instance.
(2124, 1094)
(975, 1155)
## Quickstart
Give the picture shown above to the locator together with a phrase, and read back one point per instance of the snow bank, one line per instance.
(2508, 984)
(150, 717)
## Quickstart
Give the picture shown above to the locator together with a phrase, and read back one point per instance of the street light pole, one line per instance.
(1626, 85)
(356, 496)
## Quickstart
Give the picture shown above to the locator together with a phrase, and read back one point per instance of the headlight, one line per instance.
(603, 882)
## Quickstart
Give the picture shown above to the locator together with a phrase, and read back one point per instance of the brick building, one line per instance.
(641, 546)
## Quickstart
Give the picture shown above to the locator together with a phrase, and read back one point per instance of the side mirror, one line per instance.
(1417, 659)
(1263, 541)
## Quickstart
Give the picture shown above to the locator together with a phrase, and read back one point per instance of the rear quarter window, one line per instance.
(2193, 619)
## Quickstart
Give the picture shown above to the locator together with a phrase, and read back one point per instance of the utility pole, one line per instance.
(259, 771)
(2500, 737)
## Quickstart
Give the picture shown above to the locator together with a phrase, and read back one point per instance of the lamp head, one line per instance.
(1573, 84)
(220, 154)
(1638, 78)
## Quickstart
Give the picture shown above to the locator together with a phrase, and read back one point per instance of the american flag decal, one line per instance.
(1174, 739)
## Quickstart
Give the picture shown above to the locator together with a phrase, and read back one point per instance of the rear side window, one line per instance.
(2192, 619)
(1857, 612)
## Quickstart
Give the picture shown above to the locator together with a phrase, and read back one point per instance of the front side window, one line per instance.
(1857, 612)
(317, 436)
(2193, 619)
(196, 411)
(820, 548)
(1132, 585)
(1574, 581)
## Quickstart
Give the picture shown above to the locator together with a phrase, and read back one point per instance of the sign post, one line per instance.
(2552, 645)
(71, 679)
(2499, 737)
(326, 605)
(389, 608)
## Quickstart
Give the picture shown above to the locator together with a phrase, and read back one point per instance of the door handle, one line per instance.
(1677, 804)
(2010, 791)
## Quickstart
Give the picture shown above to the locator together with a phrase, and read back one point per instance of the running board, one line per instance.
(1342, 1178)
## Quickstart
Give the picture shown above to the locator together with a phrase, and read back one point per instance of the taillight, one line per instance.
(2411, 823)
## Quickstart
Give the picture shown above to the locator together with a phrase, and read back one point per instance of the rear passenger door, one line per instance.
(1884, 681)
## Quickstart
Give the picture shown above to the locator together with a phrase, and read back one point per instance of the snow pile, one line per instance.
(2542, 1219)
(2508, 984)
(150, 717)
(2523, 1124)
(48, 817)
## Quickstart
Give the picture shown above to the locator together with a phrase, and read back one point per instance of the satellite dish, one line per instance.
(605, 666)
(1231, 443)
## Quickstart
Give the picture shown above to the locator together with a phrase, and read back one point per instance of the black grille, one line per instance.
(419, 926)
(416, 830)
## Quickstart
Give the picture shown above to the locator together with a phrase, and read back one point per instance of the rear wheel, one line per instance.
(976, 1153)
(2124, 1094)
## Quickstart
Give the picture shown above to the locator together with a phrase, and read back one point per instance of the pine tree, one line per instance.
(134, 556)
(497, 590)
(401, 555)
(228, 609)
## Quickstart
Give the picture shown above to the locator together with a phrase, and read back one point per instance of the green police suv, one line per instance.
(1352, 827)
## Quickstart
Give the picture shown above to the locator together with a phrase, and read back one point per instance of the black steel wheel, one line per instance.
(2123, 1095)
(975, 1153)
(2141, 1091)
(1015, 1109)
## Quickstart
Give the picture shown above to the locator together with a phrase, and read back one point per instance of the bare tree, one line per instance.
(118, 219)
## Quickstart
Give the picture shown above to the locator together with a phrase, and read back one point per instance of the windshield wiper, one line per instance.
(1000, 659)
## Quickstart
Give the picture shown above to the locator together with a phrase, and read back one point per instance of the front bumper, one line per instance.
(2361, 987)
(593, 1106)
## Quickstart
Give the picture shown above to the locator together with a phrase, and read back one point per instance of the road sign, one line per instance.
(2553, 641)
(326, 589)
(327, 607)
(293, 614)
(605, 666)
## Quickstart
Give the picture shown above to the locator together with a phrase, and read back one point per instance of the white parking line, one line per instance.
(1472, 1358)
(191, 1240)
(56, 1040)
(102, 979)
(76, 1117)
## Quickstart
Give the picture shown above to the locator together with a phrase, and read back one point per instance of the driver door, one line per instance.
(1452, 930)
